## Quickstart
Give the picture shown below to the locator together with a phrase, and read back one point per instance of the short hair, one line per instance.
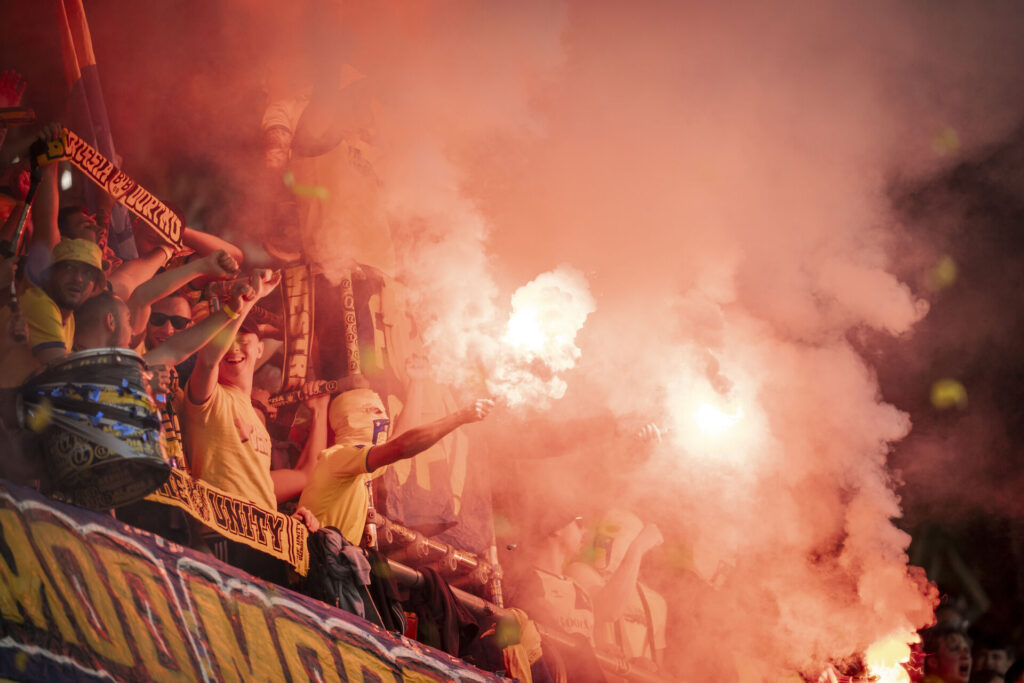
(933, 637)
(94, 309)
(1015, 671)
(995, 641)
(67, 212)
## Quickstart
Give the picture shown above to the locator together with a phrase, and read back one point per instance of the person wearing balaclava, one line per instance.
(336, 492)
(629, 616)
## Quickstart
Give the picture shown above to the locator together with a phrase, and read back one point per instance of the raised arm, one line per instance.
(216, 264)
(289, 483)
(133, 273)
(203, 243)
(610, 602)
(183, 344)
(45, 234)
(418, 439)
(204, 376)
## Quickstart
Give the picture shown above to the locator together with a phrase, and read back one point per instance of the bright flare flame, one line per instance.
(885, 659)
(540, 339)
(713, 421)
(524, 331)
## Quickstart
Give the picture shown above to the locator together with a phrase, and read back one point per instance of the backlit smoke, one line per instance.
(540, 339)
(719, 174)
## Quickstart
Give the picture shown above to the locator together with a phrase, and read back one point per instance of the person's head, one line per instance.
(993, 654)
(951, 611)
(166, 317)
(551, 529)
(15, 178)
(569, 536)
(102, 321)
(1015, 674)
(947, 652)
(75, 222)
(357, 416)
(74, 274)
(614, 533)
(238, 365)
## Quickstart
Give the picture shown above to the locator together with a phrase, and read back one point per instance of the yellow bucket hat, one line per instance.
(82, 251)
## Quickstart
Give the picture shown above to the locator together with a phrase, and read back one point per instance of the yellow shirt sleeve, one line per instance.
(46, 327)
(346, 461)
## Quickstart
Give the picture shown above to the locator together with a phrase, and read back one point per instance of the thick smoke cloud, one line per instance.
(718, 173)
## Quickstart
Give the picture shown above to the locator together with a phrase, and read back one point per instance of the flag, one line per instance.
(88, 112)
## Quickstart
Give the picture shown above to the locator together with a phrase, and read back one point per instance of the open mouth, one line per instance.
(234, 361)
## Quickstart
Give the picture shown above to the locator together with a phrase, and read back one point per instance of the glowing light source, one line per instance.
(65, 179)
(948, 393)
(713, 421)
(885, 659)
(540, 338)
(524, 330)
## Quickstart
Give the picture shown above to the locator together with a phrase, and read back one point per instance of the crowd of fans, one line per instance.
(64, 291)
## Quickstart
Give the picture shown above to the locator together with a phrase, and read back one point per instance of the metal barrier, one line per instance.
(411, 578)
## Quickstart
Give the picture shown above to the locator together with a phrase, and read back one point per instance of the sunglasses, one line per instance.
(178, 322)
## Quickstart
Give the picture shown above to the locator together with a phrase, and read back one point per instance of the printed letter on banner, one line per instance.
(297, 289)
(116, 183)
(238, 519)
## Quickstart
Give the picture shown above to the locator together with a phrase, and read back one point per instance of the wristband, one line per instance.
(231, 313)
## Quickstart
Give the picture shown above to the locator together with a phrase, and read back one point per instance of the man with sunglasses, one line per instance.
(167, 316)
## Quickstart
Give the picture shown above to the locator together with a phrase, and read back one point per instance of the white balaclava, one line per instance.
(355, 420)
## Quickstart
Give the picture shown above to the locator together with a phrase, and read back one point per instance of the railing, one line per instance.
(411, 578)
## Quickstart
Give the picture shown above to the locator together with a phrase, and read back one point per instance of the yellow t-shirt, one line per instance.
(336, 492)
(47, 328)
(213, 440)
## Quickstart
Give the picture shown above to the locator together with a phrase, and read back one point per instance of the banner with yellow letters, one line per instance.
(86, 598)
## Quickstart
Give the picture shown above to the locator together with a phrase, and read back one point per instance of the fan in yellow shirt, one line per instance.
(336, 493)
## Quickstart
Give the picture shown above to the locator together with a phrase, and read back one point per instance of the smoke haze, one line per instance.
(718, 175)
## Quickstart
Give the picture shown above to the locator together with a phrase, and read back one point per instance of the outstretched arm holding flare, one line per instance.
(418, 439)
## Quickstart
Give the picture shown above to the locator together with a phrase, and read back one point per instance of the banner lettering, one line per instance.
(84, 597)
(238, 519)
(116, 183)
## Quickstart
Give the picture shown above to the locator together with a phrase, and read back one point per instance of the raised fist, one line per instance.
(12, 85)
(219, 264)
(477, 410)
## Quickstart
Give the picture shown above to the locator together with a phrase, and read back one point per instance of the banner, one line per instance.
(297, 290)
(86, 598)
(237, 519)
(117, 183)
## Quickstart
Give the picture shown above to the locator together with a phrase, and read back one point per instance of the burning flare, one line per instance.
(540, 338)
(885, 659)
